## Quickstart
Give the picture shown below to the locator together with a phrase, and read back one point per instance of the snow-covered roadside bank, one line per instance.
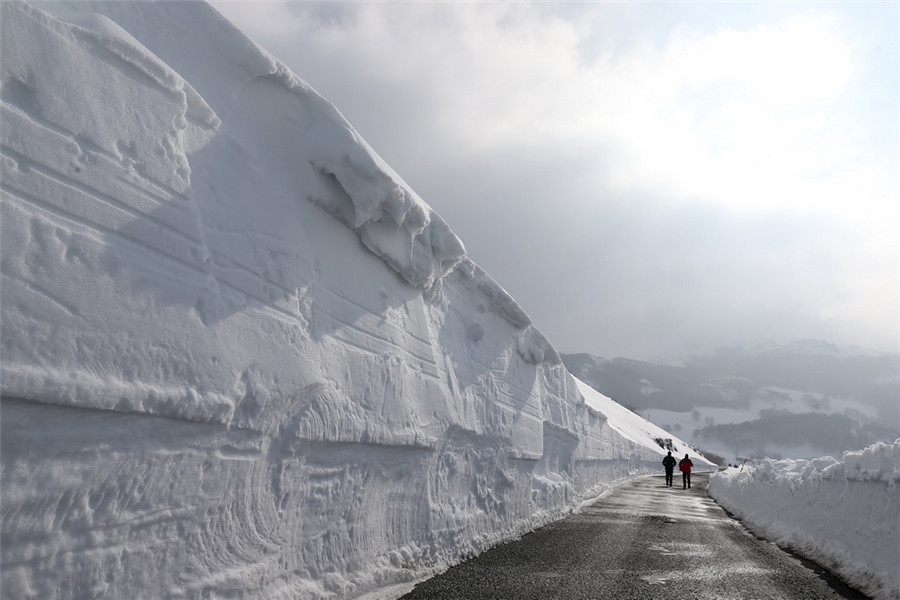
(845, 514)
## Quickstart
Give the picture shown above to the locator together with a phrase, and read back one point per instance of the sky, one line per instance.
(646, 179)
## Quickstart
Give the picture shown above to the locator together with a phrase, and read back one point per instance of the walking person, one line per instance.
(669, 464)
(684, 465)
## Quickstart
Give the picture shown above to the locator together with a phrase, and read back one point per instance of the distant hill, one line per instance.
(798, 400)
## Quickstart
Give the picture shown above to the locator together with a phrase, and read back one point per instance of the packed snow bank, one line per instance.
(240, 357)
(845, 515)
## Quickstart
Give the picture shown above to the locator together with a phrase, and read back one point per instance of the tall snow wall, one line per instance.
(240, 357)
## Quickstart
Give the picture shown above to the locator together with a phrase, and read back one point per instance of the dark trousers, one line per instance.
(669, 476)
(686, 480)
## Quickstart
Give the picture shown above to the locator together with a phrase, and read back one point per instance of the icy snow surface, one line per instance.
(240, 357)
(845, 514)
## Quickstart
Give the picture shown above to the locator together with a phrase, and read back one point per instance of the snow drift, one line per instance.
(240, 356)
(845, 515)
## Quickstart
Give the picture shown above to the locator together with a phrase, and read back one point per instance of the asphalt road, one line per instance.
(643, 541)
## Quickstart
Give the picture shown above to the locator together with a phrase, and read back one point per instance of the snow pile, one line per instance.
(844, 515)
(240, 357)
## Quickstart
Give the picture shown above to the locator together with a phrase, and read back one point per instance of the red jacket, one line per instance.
(684, 465)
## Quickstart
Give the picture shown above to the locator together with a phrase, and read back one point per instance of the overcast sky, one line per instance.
(642, 177)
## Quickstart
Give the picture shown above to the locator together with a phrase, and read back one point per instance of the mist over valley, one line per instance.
(802, 399)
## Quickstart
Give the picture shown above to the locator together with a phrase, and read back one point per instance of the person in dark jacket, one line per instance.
(684, 465)
(669, 464)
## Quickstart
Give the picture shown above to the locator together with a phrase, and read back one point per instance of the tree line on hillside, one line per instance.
(830, 434)
(732, 377)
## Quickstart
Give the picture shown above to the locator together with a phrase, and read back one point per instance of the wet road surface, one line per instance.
(643, 541)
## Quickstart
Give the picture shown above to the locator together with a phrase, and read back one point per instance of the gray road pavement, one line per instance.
(644, 541)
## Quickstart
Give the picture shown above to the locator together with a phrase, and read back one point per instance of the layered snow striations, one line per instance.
(240, 356)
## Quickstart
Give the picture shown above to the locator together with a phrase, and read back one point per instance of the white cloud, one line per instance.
(744, 119)
(692, 117)
(508, 114)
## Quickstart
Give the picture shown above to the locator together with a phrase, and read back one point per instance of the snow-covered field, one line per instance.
(772, 400)
(804, 399)
(240, 356)
(843, 514)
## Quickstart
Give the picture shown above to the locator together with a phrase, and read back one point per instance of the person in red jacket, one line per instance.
(684, 465)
